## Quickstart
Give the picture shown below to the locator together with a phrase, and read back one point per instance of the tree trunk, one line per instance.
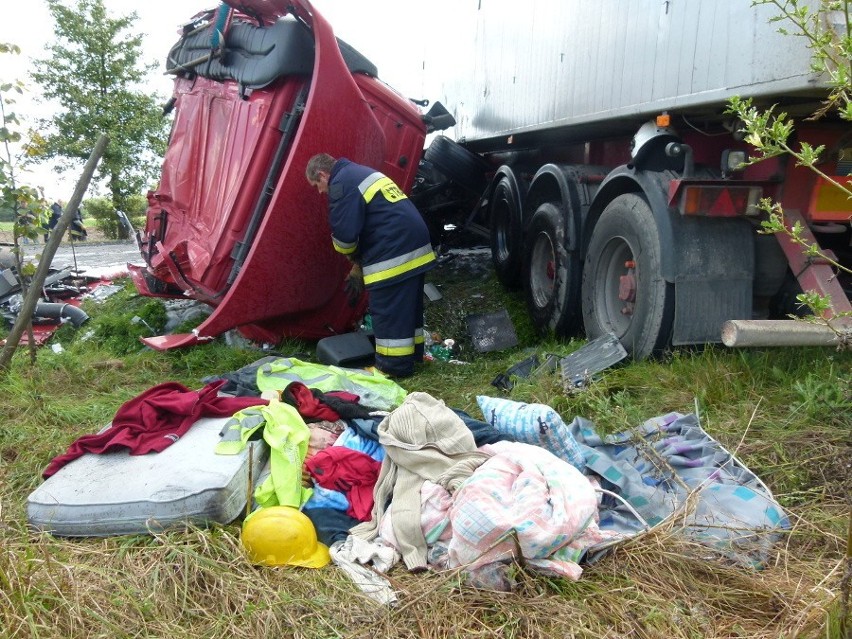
(24, 318)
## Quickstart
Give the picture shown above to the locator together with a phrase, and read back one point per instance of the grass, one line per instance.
(784, 413)
(94, 233)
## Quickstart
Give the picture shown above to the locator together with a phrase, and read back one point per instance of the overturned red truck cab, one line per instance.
(261, 86)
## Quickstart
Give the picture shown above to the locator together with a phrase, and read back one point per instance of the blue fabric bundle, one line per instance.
(535, 424)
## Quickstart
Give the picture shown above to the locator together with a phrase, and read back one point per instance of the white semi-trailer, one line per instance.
(593, 147)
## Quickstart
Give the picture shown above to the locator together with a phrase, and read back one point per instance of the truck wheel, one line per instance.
(623, 288)
(457, 163)
(506, 232)
(551, 273)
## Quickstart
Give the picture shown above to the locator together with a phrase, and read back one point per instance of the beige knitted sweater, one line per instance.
(423, 439)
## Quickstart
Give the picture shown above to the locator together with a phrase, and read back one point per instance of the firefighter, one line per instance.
(381, 232)
(55, 214)
(77, 229)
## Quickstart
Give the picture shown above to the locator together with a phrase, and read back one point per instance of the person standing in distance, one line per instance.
(381, 232)
(55, 214)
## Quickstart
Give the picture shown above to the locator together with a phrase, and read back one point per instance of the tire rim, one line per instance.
(615, 286)
(542, 270)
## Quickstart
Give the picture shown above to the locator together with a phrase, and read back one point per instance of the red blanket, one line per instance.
(154, 420)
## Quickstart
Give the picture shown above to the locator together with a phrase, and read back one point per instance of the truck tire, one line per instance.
(551, 273)
(460, 165)
(623, 288)
(506, 232)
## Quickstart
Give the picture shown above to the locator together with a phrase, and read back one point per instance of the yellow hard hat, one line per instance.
(282, 535)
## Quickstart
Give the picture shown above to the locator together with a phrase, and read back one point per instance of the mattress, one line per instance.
(116, 493)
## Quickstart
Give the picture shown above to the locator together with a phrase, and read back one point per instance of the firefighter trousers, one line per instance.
(397, 314)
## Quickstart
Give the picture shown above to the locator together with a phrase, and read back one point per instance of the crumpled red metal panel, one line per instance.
(290, 283)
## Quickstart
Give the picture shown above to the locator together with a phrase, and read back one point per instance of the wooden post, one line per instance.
(28, 307)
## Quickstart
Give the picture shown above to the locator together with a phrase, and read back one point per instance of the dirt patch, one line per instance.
(465, 279)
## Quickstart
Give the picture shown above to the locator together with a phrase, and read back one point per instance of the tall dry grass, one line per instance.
(786, 414)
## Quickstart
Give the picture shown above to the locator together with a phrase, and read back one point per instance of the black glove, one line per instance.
(354, 285)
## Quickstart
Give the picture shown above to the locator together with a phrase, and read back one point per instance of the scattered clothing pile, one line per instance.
(655, 468)
(386, 476)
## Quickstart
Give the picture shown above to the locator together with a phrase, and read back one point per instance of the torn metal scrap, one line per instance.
(102, 292)
(527, 368)
(63, 291)
(432, 293)
(579, 367)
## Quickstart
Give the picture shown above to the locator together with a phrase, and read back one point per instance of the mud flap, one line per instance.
(491, 331)
(715, 270)
(525, 369)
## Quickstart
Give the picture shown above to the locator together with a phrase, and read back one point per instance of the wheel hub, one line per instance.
(543, 271)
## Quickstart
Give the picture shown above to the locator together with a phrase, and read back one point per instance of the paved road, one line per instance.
(97, 258)
(100, 259)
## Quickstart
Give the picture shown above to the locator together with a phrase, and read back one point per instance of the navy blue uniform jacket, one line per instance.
(373, 219)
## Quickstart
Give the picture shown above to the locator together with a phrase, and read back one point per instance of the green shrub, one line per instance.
(102, 211)
(118, 323)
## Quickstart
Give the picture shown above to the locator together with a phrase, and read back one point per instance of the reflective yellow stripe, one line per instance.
(395, 352)
(376, 182)
(375, 187)
(398, 265)
(290, 377)
(418, 336)
(398, 270)
(344, 247)
(371, 184)
(395, 347)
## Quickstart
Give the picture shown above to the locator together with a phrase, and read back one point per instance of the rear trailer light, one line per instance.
(720, 201)
(733, 161)
(830, 202)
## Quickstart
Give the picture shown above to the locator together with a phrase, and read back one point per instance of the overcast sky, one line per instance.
(396, 47)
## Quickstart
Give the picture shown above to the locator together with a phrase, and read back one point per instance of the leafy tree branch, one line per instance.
(827, 31)
(94, 73)
(26, 203)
